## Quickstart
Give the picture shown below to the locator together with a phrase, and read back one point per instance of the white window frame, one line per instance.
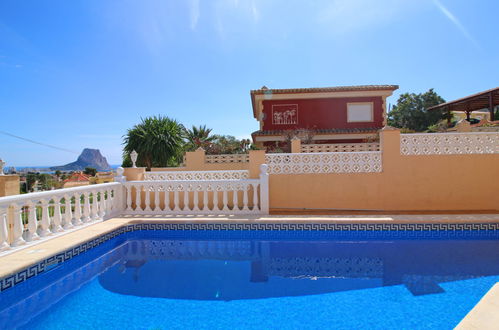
(360, 121)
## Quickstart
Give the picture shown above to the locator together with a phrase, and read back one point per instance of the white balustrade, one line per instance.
(29, 217)
(245, 196)
(449, 143)
(325, 162)
(197, 175)
(340, 147)
(227, 158)
(36, 216)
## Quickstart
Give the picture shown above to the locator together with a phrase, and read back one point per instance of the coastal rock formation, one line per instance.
(87, 158)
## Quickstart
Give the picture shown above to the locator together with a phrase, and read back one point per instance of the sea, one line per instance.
(40, 169)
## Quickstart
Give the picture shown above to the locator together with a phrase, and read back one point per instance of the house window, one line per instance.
(360, 112)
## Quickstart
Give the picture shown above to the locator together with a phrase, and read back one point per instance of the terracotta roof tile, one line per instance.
(78, 177)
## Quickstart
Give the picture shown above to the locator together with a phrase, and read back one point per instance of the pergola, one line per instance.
(488, 99)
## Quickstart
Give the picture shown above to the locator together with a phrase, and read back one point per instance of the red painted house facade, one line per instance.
(344, 114)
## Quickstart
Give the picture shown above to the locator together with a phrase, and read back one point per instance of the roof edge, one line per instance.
(265, 90)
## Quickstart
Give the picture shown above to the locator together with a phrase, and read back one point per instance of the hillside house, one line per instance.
(343, 114)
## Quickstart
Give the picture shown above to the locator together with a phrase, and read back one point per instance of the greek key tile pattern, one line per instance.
(272, 230)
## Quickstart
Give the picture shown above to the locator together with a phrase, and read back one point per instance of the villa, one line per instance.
(355, 219)
(344, 114)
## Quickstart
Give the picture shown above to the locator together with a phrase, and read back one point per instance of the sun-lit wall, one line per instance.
(406, 183)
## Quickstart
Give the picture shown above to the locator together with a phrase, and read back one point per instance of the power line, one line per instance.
(36, 142)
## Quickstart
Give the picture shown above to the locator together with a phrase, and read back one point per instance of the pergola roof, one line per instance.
(484, 100)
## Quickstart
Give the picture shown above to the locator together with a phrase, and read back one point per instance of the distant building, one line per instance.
(103, 177)
(344, 114)
(77, 179)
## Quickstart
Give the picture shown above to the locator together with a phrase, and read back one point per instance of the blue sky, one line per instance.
(79, 73)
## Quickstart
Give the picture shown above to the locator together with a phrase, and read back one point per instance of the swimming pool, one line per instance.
(256, 279)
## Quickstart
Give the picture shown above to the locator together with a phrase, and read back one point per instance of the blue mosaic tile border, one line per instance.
(419, 230)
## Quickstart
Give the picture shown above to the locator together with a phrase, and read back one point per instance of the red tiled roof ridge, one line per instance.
(77, 177)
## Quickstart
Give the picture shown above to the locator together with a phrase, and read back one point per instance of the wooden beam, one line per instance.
(491, 107)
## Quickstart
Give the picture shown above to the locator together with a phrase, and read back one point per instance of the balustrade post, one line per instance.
(102, 205)
(264, 189)
(255, 197)
(86, 207)
(235, 206)
(18, 227)
(45, 221)
(205, 198)
(77, 213)
(225, 203)
(68, 215)
(109, 201)
(167, 198)
(147, 198)
(57, 218)
(245, 197)
(215, 198)
(156, 199)
(128, 192)
(94, 209)
(32, 223)
(176, 202)
(186, 197)
(4, 234)
(196, 198)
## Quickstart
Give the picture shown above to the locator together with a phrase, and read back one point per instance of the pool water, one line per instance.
(163, 280)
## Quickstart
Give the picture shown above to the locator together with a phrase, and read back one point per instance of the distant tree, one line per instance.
(158, 140)
(46, 181)
(30, 181)
(228, 144)
(198, 137)
(411, 112)
(57, 173)
(90, 171)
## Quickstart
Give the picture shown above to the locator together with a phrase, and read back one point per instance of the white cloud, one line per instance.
(455, 21)
(254, 11)
(194, 13)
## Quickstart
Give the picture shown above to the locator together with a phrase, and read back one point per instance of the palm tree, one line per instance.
(158, 140)
(198, 137)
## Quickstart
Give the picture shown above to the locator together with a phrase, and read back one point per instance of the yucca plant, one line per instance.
(158, 140)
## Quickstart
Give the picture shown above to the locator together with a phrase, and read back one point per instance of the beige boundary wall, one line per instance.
(444, 182)
(406, 183)
(9, 185)
(196, 161)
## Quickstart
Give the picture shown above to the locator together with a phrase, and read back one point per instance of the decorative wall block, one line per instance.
(314, 163)
(449, 143)
(227, 158)
(197, 175)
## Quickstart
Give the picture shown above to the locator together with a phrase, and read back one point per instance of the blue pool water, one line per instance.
(167, 280)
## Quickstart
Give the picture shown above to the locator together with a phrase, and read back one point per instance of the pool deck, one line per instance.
(485, 315)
